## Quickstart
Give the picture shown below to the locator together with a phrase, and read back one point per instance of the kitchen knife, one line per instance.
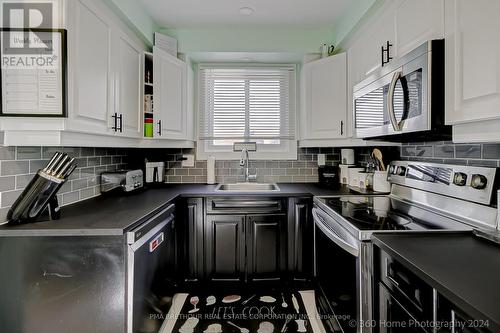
(52, 160)
(65, 168)
(56, 161)
(69, 172)
(60, 165)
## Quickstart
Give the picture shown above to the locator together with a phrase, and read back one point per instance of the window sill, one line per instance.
(290, 153)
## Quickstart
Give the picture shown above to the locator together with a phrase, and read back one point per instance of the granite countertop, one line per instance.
(114, 215)
(463, 268)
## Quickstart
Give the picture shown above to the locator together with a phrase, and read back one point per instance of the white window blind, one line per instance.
(253, 104)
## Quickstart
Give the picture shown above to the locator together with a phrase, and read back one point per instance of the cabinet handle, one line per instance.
(159, 127)
(382, 61)
(388, 274)
(115, 122)
(341, 127)
(387, 51)
(121, 122)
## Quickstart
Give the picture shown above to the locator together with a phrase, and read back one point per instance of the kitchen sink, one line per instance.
(247, 187)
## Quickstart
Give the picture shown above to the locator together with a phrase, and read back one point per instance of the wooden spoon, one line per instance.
(377, 154)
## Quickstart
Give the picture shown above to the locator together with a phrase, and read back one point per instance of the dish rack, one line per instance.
(39, 201)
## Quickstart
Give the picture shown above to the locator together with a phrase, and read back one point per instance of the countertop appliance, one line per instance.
(329, 176)
(405, 100)
(127, 180)
(424, 197)
(155, 172)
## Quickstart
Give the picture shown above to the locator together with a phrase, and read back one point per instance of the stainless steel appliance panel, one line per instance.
(62, 284)
(151, 262)
(400, 98)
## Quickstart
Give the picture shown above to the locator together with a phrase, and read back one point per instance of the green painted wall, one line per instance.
(245, 39)
(250, 40)
(136, 17)
(347, 22)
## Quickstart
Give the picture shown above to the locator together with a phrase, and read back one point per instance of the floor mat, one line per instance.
(243, 312)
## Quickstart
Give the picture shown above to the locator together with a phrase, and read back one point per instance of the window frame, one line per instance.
(286, 150)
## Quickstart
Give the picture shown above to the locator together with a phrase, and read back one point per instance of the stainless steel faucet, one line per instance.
(244, 161)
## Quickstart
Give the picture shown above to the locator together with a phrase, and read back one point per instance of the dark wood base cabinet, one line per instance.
(225, 247)
(406, 303)
(248, 239)
(266, 247)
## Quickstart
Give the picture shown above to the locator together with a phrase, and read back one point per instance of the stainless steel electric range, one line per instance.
(424, 197)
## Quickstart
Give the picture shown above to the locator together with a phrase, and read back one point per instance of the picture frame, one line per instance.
(48, 81)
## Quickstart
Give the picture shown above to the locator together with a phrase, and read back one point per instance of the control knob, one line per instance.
(478, 182)
(401, 171)
(460, 179)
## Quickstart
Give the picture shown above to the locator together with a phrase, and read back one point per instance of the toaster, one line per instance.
(126, 180)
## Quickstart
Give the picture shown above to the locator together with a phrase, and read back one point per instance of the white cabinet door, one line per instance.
(89, 63)
(418, 21)
(127, 55)
(365, 53)
(324, 111)
(169, 96)
(472, 53)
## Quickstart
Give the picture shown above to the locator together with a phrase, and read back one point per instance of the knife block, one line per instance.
(38, 201)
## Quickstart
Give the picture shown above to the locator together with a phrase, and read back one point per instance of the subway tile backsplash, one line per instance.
(485, 154)
(302, 170)
(19, 164)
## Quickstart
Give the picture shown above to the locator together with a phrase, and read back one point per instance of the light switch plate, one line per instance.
(321, 159)
(189, 161)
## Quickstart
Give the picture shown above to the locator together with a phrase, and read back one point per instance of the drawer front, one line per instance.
(245, 205)
(412, 289)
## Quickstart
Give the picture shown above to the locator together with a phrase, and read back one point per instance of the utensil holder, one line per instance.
(38, 201)
(380, 182)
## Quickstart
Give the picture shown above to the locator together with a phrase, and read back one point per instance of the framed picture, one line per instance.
(33, 72)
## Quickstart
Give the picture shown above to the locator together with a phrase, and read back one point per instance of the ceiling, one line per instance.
(191, 14)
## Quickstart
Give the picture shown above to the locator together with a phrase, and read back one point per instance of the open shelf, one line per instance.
(148, 90)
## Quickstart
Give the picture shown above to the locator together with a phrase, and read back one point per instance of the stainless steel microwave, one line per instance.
(405, 100)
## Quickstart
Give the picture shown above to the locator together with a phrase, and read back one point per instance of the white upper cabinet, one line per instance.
(472, 52)
(324, 98)
(365, 52)
(169, 91)
(90, 85)
(416, 22)
(404, 24)
(105, 71)
(128, 74)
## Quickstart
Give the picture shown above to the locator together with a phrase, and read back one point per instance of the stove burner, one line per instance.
(372, 213)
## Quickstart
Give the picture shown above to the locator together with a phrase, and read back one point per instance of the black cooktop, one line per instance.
(374, 213)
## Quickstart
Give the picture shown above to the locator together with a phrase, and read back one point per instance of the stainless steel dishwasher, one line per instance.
(151, 264)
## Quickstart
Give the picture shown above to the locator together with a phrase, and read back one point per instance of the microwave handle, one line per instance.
(390, 102)
(397, 125)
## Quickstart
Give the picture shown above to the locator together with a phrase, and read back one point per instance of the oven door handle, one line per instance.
(319, 221)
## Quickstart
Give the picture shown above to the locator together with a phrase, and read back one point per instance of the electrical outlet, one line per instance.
(189, 161)
(321, 159)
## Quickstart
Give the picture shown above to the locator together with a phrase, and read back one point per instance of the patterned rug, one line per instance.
(259, 312)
